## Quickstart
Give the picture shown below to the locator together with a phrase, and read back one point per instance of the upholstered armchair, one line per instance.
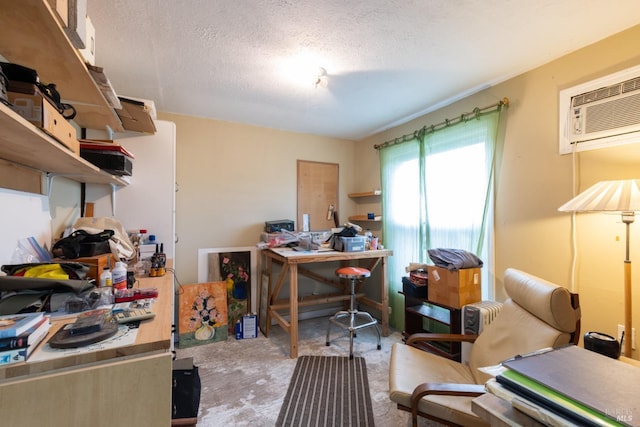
(538, 314)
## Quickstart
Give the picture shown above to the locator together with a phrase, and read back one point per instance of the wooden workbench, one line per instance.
(291, 261)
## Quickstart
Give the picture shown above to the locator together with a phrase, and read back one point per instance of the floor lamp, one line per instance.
(613, 196)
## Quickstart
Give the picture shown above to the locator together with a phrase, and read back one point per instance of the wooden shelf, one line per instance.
(30, 35)
(23, 143)
(438, 318)
(363, 218)
(365, 194)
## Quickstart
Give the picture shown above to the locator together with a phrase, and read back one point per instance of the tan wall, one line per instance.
(233, 177)
(533, 180)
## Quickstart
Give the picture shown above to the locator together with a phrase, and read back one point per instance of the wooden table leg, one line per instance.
(293, 310)
(268, 265)
(384, 299)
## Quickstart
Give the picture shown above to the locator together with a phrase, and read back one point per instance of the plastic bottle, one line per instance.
(119, 276)
(106, 279)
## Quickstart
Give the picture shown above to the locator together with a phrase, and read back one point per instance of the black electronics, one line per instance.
(275, 226)
(411, 289)
(602, 343)
(110, 161)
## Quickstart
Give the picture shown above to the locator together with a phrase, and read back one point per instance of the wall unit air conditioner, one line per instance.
(601, 113)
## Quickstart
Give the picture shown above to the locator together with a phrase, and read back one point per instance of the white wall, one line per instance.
(22, 215)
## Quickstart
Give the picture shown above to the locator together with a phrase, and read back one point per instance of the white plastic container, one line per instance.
(106, 278)
(120, 276)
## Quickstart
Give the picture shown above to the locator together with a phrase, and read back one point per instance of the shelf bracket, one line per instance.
(114, 188)
(109, 131)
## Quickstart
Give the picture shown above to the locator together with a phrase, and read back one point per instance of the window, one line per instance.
(438, 193)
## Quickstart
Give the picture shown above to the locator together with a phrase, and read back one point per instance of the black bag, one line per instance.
(185, 389)
(71, 247)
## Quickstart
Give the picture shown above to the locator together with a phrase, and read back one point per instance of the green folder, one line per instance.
(557, 402)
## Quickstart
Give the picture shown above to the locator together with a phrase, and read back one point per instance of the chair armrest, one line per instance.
(421, 337)
(447, 389)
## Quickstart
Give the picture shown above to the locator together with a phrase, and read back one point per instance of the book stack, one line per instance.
(571, 386)
(20, 334)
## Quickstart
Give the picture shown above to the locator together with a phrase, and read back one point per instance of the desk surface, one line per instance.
(300, 257)
(153, 335)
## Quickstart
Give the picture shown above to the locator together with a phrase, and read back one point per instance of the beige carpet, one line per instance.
(244, 382)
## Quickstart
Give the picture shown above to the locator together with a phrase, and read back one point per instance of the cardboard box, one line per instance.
(41, 113)
(135, 115)
(454, 288)
(89, 52)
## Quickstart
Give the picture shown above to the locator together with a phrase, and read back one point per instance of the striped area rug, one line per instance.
(327, 391)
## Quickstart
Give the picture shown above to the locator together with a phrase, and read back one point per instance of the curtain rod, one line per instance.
(465, 117)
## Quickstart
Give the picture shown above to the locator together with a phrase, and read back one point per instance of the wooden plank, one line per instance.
(20, 178)
(317, 190)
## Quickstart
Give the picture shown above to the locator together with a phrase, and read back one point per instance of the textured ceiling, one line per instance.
(387, 61)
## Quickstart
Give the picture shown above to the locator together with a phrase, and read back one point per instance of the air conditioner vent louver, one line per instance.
(604, 112)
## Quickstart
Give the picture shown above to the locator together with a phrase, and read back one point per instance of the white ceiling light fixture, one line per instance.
(303, 71)
(321, 78)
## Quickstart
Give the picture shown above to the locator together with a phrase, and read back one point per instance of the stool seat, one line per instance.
(352, 272)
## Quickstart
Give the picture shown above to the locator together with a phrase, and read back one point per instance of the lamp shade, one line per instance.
(607, 196)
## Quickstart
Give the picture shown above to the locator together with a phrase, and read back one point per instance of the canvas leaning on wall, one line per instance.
(237, 268)
(203, 314)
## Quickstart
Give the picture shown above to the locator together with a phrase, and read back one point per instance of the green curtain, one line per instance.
(437, 192)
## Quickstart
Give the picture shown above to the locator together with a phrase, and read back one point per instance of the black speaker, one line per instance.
(602, 343)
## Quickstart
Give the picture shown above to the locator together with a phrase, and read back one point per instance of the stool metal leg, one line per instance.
(353, 313)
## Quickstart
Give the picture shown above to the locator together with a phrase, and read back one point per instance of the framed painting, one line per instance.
(203, 314)
(237, 267)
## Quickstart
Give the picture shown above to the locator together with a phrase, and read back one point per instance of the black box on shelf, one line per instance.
(113, 162)
(275, 226)
(413, 290)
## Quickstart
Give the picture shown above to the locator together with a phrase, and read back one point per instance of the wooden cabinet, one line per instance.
(422, 315)
(369, 201)
(105, 386)
(31, 36)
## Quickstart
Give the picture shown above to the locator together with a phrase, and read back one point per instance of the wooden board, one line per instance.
(317, 190)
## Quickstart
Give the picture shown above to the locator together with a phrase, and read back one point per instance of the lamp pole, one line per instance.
(627, 218)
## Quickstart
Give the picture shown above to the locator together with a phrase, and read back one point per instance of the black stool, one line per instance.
(353, 274)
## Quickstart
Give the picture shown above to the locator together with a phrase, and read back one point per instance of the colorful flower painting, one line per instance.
(203, 314)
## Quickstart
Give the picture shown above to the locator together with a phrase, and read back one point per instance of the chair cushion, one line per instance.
(410, 367)
(543, 299)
